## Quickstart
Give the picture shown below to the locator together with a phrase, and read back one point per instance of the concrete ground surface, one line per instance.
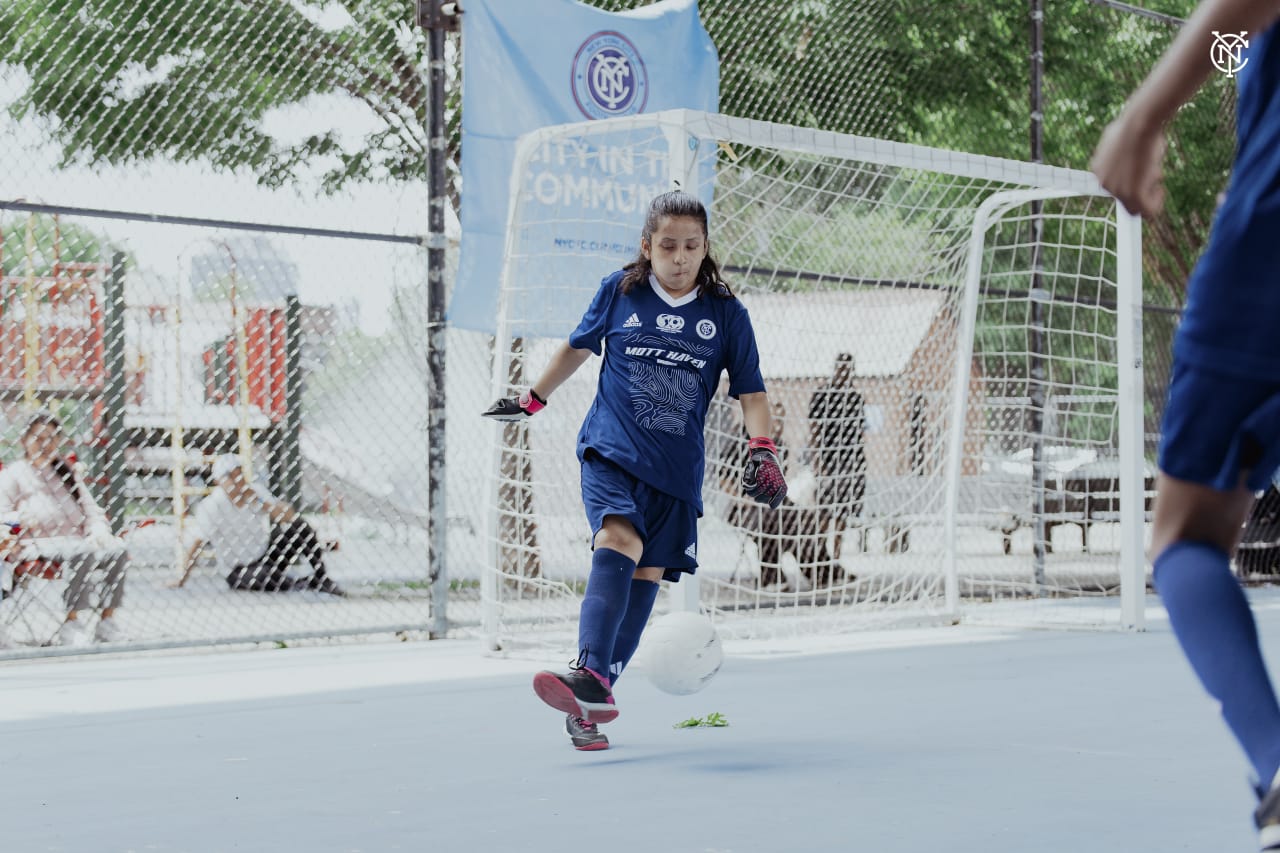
(968, 739)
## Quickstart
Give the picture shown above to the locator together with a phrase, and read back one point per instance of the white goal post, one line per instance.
(952, 345)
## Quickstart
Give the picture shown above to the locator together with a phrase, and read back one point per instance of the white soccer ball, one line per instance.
(682, 652)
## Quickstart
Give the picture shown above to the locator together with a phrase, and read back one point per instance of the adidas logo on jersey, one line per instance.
(633, 322)
(692, 550)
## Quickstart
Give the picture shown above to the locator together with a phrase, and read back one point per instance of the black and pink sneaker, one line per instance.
(585, 736)
(579, 692)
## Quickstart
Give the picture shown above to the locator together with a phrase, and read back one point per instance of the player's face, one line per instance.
(675, 251)
(41, 443)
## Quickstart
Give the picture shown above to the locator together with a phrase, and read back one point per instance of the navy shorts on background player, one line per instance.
(1217, 425)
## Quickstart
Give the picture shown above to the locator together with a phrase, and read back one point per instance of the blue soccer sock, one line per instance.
(1212, 621)
(639, 606)
(603, 606)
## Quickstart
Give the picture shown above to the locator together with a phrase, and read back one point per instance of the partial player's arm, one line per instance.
(1128, 158)
(762, 478)
(563, 364)
(756, 413)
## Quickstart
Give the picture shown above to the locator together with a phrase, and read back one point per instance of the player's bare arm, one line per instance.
(1129, 155)
(563, 364)
(756, 414)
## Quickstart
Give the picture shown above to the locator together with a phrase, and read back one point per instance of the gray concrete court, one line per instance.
(968, 739)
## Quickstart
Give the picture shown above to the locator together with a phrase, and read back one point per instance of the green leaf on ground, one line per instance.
(712, 720)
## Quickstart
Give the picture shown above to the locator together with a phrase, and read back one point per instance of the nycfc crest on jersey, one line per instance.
(663, 359)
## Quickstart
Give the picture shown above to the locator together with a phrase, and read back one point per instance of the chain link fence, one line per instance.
(960, 76)
(213, 221)
(214, 216)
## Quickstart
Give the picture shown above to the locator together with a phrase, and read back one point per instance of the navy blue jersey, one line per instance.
(1232, 318)
(662, 363)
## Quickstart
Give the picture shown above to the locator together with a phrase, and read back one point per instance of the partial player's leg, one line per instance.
(585, 691)
(644, 592)
(670, 551)
(1219, 443)
(297, 541)
(1196, 528)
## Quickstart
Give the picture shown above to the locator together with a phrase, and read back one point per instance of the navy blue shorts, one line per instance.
(1217, 425)
(668, 526)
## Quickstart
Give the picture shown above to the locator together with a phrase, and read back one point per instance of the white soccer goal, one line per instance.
(990, 309)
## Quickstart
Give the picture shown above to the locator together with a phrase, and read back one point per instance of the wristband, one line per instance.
(531, 402)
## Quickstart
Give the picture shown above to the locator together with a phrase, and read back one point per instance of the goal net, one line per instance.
(951, 345)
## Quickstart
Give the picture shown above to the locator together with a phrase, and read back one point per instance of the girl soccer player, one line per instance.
(668, 325)
(1220, 439)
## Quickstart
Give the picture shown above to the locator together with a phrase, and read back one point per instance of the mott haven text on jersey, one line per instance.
(666, 356)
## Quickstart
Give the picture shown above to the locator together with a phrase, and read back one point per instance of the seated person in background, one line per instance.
(60, 521)
(9, 554)
(256, 533)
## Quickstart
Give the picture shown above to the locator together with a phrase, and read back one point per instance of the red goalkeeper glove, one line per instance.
(516, 408)
(762, 478)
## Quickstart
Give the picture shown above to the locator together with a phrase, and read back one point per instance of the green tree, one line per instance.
(218, 290)
(34, 243)
(968, 71)
(199, 80)
(957, 76)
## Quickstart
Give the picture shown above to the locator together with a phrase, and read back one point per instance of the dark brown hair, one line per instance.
(673, 204)
(59, 465)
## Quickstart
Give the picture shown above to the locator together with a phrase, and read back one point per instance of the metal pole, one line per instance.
(1132, 474)
(1036, 336)
(289, 460)
(114, 389)
(436, 17)
(239, 335)
(30, 324)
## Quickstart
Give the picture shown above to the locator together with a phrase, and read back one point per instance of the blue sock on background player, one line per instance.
(639, 606)
(1211, 618)
(603, 606)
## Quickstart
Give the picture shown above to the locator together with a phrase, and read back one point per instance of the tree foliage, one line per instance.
(33, 244)
(967, 67)
(121, 81)
(958, 76)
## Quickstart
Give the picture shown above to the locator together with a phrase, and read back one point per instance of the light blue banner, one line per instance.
(528, 65)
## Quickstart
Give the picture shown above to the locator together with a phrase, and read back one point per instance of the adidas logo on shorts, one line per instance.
(632, 322)
(692, 550)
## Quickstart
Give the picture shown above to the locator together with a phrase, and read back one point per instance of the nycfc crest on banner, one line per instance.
(609, 77)
(531, 65)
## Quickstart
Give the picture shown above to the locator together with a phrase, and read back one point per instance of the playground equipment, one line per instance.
(51, 326)
(64, 335)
